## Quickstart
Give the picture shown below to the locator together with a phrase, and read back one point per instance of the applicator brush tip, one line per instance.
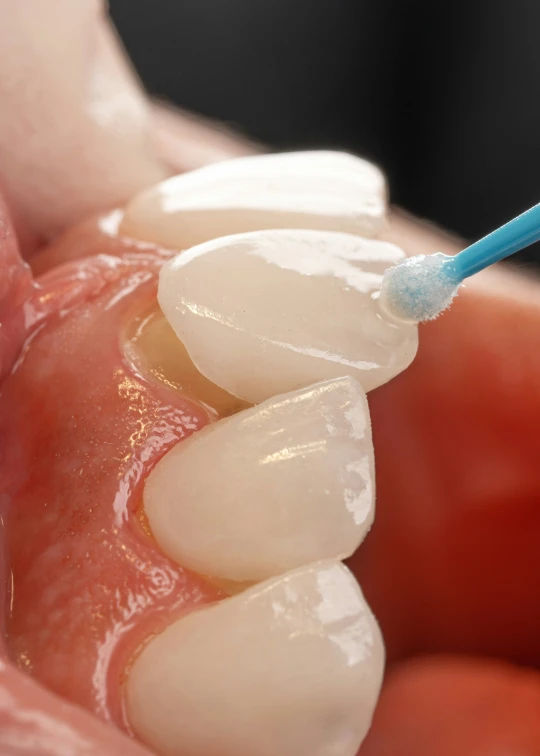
(419, 288)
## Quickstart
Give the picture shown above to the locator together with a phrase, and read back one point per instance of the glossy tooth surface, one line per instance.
(292, 482)
(292, 666)
(272, 311)
(320, 190)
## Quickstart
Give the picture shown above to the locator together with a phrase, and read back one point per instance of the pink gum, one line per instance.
(84, 431)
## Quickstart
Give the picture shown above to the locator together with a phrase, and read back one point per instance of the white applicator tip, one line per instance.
(419, 288)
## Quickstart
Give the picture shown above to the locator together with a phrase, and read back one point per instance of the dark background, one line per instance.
(444, 96)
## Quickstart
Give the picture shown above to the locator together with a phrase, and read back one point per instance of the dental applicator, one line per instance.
(421, 287)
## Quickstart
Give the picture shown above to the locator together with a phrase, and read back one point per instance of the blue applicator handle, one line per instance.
(421, 287)
(512, 237)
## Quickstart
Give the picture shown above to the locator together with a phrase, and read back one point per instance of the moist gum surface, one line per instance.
(85, 427)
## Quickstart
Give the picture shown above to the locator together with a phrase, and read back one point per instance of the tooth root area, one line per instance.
(291, 482)
(267, 312)
(318, 190)
(292, 666)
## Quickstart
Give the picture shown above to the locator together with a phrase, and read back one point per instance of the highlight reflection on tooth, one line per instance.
(292, 666)
(319, 190)
(291, 482)
(272, 311)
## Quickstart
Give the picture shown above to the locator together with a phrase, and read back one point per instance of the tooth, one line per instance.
(292, 482)
(291, 666)
(272, 311)
(319, 190)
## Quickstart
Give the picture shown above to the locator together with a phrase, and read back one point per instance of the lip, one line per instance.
(74, 137)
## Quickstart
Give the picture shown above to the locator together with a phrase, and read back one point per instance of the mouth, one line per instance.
(190, 461)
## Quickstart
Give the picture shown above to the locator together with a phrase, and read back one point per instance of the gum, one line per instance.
(85, 428)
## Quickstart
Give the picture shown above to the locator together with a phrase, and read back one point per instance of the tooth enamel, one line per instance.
(292, 482)
(319, 190)
(292, 666)
(272, 311)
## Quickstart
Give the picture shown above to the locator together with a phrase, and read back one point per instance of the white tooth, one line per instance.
(283, 484)
(320, 190)
(291, 667)
(268, 312)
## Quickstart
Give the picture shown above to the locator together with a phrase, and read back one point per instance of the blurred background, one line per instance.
(442, 96)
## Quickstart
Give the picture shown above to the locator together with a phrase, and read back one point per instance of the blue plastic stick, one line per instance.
(421, 287)
(512, 237)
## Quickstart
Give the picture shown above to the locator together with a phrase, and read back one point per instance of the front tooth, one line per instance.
(319, 190)
(292, 666)
(292, 482)
(268, 312)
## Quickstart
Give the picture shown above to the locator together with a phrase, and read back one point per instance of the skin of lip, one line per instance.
(471, 546)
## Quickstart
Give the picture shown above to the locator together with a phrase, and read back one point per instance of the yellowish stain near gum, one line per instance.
(155, 351)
